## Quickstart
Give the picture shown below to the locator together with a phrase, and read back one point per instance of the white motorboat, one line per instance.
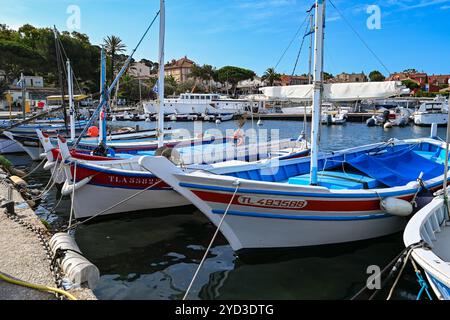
(200, 103)
(431, 112)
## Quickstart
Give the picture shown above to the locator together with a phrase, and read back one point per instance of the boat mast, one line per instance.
(318, 86)
(162, 26)
(71, 103)
(311, 23)
(104, 97)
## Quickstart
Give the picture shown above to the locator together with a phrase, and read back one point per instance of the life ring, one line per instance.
(238, 138)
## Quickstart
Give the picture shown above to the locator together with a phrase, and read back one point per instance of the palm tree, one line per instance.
(113, 46)
(203, 73)
(271, 75)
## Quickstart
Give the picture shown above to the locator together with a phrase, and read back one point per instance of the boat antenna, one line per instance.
(113, 84)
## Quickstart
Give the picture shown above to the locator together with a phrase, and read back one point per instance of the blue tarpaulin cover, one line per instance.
(397, 168)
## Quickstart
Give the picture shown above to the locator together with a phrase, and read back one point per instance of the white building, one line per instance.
(139, 70)
(31, 82)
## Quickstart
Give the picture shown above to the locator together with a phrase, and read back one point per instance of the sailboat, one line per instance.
(99, 184)
(348, 195)
(426, 238)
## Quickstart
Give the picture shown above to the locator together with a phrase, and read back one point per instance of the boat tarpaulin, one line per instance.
(353, 91)
(397, 168)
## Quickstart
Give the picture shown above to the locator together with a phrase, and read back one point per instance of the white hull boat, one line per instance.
(114, 180)
(7, 146)
(275, 206)
(429, 232)
(432, 112)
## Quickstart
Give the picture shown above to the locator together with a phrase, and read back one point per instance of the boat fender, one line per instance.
(75, 266)
(68, 188)
(396, 207)
(18, 181)
(42, 156)
(49, 165)
(388, 125)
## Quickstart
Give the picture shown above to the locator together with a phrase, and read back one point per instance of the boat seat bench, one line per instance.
(338, 180)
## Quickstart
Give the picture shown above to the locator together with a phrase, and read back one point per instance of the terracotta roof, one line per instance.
(179, 63)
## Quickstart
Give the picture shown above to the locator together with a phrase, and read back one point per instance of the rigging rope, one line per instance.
(359, 36)
(292, 41)
(307, 33)
(111, 87)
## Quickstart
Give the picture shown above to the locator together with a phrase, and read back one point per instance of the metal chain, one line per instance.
(43, 239)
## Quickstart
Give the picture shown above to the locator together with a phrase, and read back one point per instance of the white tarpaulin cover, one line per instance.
(338, 91)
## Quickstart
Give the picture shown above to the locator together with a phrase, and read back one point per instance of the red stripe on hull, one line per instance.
(118, 180)
(296, 202)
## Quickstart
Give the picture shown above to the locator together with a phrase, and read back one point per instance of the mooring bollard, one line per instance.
(9, 203)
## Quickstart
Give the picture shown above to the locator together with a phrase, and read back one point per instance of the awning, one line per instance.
(78, 97)
(338, 91)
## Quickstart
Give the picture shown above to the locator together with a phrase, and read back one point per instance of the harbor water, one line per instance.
(154, 254)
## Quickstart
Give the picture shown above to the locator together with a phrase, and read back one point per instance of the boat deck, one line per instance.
(440, 246)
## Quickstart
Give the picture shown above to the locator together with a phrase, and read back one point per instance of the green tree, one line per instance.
(271, 76)
(205, 74)
(113, 46)
(376, 76)
(327, 76)
(16, 58)
(233, 75)
(411, 85)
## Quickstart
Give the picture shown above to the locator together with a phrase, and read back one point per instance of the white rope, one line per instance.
(401, 271)
(211, 242)
(112, 207)
(35, 169)
(50, 184)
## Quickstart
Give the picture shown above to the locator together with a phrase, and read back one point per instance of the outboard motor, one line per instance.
(403, 123)
(100, 151)
(371, 122)
(386, 116)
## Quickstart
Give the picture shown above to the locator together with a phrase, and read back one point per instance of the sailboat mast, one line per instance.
(311, 39)
(104, 97)
(318, 86)
(71, 103)
(162, 26)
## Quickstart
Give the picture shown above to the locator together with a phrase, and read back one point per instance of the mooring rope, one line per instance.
(35, 169)
(73, 194)
(110, 208)
(392, 265)
(212, 241)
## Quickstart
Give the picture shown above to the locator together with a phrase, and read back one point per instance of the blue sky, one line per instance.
(254, 33)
